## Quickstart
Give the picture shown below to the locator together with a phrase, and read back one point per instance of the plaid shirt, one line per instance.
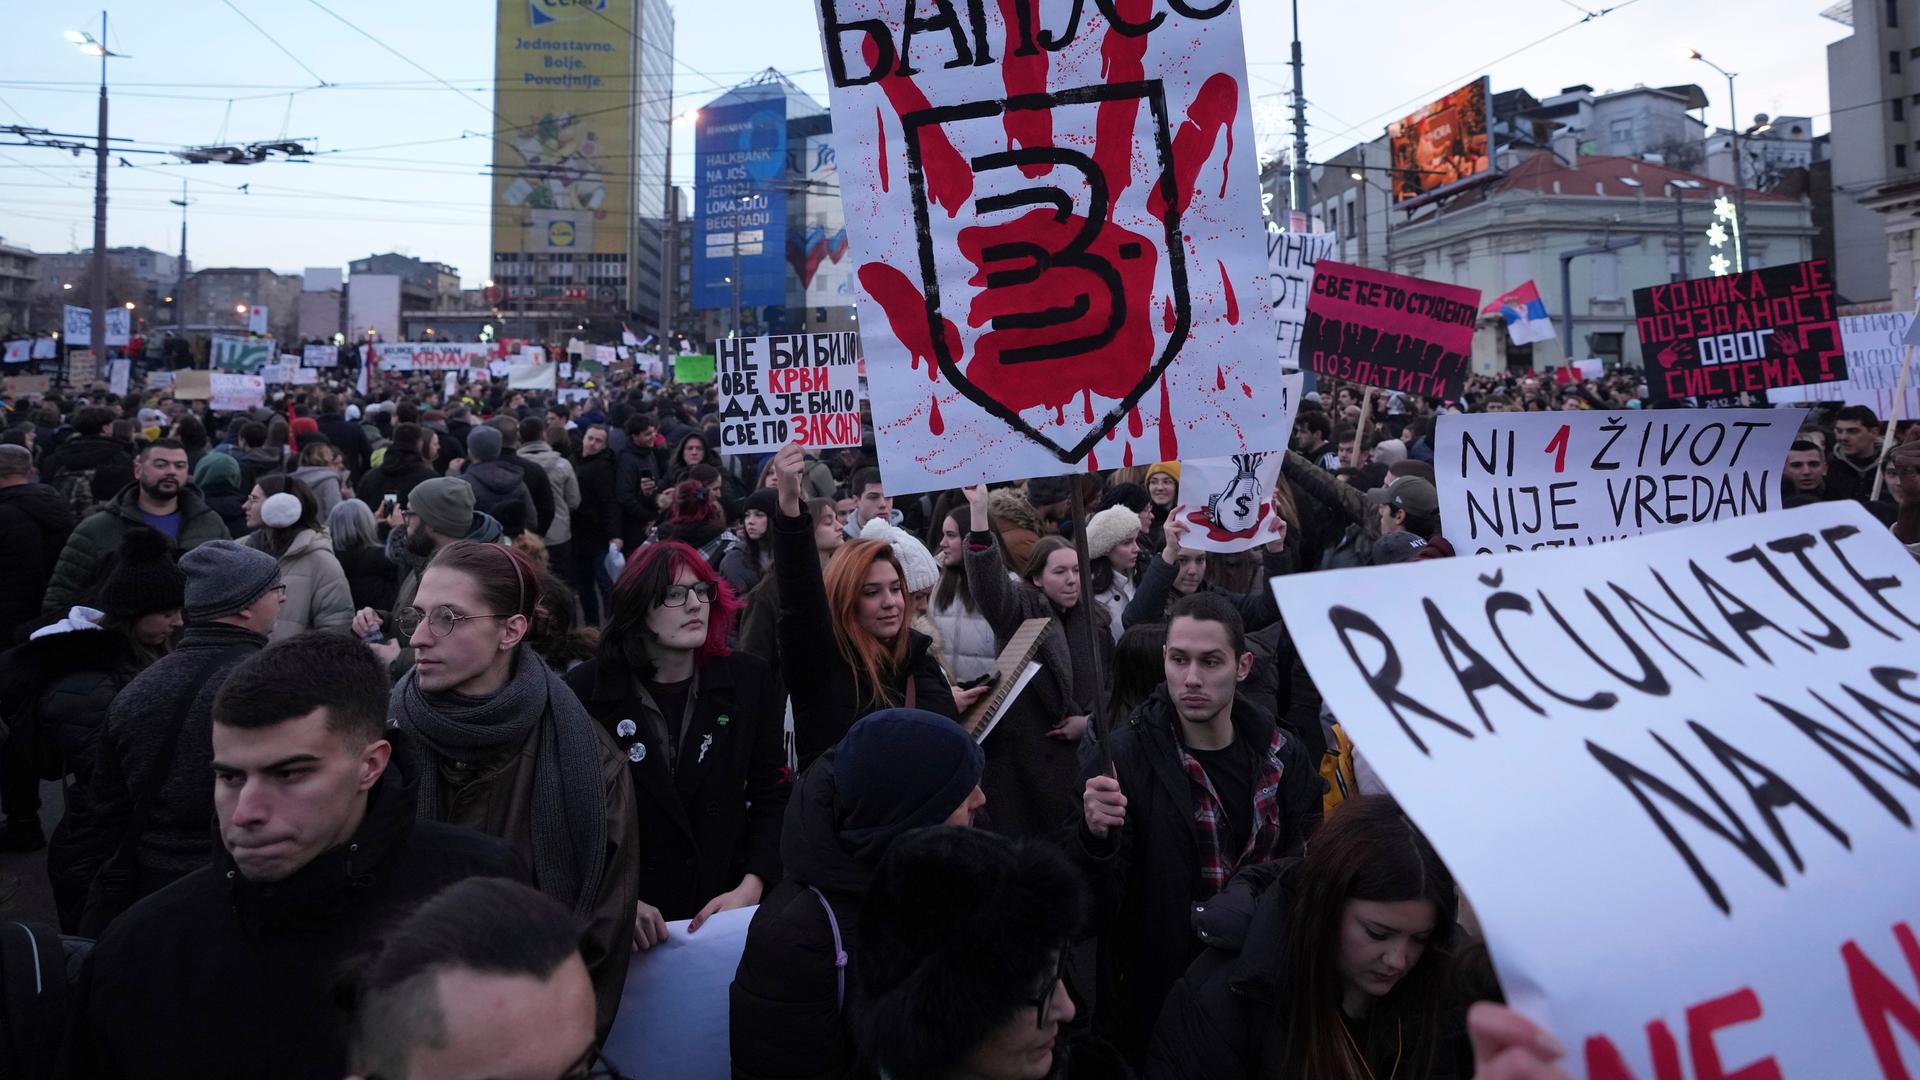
(1263, 843)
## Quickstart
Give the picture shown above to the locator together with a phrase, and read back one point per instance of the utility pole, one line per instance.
(1680, 189)
(99, 263)
(1566, 281)
(1301, 192)
(180, 270)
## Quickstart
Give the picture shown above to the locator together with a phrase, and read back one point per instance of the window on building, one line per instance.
(1899, 109)
(1893, 62)
(1900, 155)
(1333, 219)
(1604, 281)
(1893, 12)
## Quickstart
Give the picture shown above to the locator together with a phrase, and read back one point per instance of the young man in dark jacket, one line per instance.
(1194, 746)
(596, 521)
(639, 474)
(34, 525)
(408, 461)
(232, 968)
(160, 497)
(347, 436)
(535, 477)
(91, 465)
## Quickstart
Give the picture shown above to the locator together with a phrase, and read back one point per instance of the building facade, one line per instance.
(18, 272)
(217, 300)
(1872, 88)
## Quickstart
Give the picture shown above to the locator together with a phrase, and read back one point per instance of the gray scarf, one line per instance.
(569, 788)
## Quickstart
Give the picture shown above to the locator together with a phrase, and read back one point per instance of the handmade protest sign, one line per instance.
(19, 350)
(1875, 347)
(1056, 229)
(232, 352)
(78, 325)
(20, 386)
(1719, 337)
(692, 368)
(1291, 258)
(1678, 775)
(1391, 331)
(1519, 481)
(775, 390)
(229, 392)
(117, 372)
(83, 366)
(530, 376)
(319, 356)
(435, 356)
(1228, 502)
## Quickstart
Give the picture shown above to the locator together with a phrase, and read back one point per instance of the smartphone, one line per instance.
(391, 500)
(985, 680)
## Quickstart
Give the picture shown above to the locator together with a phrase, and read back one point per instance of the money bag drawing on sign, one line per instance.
(1228, 502)
(1237, 508)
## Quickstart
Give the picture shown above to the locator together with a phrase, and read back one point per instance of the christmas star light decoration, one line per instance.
(1717, 235)
(1723, 208)
(1719, 265)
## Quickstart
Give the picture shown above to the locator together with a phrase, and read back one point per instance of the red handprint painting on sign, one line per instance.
(1052, 233)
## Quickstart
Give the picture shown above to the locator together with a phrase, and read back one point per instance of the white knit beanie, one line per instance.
(1106, 529)
(916, 562)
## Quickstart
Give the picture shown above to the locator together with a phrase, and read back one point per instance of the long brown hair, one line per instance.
(878, 662)
(953, 579)
(1367, 850)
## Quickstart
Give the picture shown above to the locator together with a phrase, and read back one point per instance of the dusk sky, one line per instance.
(401, 157)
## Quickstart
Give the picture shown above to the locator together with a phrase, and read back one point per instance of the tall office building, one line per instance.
(584, 108)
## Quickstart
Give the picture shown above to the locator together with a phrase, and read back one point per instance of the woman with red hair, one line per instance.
(846, 648)
(702, 731)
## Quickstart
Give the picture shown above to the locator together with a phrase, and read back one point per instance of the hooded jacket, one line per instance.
(566, 489)
(638, 510)
(34, 525)
(499, 491)
(349, 438)
(220, 976)
(1146, 875)
(788, 1015)
(107, 461)
(318, 597)
(324, 482)
(99, 536)
(256, 462)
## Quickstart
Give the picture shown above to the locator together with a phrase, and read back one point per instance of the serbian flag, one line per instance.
(626, 337)
(1526, 315)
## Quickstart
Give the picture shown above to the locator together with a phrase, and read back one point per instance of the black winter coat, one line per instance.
(538, 486)
(370, 577)
(1146, 879)
(399, 472)
(718, 817)
(1218, 1022)
(597, 519)
(110, 460)
(174, 842)
(34, 524)
(1155, 593)
(788, 1006)
(827, 694)
(217, 976)
(348, 437)
(638, 511)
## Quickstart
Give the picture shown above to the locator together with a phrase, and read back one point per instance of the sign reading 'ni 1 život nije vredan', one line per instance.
(1718, 337)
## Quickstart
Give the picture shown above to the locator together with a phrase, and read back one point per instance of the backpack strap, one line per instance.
(839, 951)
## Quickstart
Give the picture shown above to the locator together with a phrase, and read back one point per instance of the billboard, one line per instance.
(817, 243)
(1442, 144)
(740, 203)
(562, 157)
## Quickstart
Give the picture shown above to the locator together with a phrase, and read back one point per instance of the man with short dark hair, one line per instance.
(1202, 784)
(596, 521)
(1311, 429)
(229, 972)
(160, 498)
(91, 465)
(1855, 462)
(638, 475)
(870, 501)
(485, 979)
(1805, 479)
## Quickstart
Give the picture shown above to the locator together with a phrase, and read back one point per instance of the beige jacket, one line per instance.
(317, 594)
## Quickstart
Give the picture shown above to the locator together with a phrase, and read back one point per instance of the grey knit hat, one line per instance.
(224, 577)
(483, 443)
(445, 503)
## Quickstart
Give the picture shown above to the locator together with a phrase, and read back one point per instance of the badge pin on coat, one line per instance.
(706, 743)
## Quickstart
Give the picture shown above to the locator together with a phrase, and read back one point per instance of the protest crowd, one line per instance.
(488, 698)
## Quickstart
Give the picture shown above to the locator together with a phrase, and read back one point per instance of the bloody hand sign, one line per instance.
(1036, 216)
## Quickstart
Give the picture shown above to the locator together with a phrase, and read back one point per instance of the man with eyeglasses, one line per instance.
(484, 980)
(229, 972)
(150, 776)
(439, 511)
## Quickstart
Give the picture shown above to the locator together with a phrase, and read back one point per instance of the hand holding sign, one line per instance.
(787, 464)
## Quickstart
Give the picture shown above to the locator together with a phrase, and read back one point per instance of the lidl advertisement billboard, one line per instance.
(562, 149)
(1442, 144)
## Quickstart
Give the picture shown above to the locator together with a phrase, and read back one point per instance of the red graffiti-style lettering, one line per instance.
(1880, 1001)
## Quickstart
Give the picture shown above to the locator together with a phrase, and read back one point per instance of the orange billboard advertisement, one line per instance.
(1442, 144)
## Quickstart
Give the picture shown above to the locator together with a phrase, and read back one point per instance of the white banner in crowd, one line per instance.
(1517, 481)
(319, 356)
(303, 376)
(673, 1011)
(1677, 775)
(605, 355)
(530, 376)
(1060, 263)
(117, 372)
(19, 350)
(774, 390)
(1290, 261)
(433, 356)
(233, 392)
(79, 325)
(45, 348)
(498, 369)
(1875, 351)
(1229, 501)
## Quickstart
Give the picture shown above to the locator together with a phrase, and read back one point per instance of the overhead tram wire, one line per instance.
(235, 8)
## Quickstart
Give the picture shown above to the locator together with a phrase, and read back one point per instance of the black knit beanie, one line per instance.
(144, 579)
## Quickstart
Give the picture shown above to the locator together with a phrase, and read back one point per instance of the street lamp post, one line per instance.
(98, 265)
(1739, 182)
